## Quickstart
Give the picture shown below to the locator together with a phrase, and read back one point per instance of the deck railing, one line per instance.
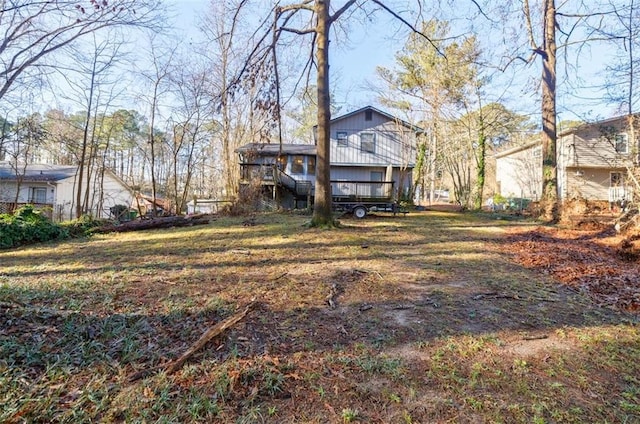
(617, 194)
(300, 188)
(253, 171)
(362, 190)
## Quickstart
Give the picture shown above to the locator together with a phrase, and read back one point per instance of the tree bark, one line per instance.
(550, 195)
(481, 157)
(322, 213)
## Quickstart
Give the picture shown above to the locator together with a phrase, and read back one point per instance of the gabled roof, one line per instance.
(518, 149)
(587, 125)
(37, 172)
(274, 149)
(378, 111)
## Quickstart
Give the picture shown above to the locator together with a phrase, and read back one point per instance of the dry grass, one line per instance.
(432, 324)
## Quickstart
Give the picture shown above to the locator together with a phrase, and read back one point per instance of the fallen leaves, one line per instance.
(586, 261)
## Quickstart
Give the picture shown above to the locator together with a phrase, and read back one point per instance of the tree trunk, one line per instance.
(322, 213)
(550, 195)
(152, 146)
(481, 156)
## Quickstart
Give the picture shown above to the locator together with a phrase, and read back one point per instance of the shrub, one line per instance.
(84, 225)
(28, 225)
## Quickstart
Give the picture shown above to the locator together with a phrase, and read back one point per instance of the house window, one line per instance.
(38, 195)
(617, 179)
(311, 165)
(621, 143)
(341, 136)
(367, 142)
(537, 153)
(282, 163)
(368, 115)
(297, 165)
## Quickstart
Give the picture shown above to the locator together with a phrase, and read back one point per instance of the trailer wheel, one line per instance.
(359, 212)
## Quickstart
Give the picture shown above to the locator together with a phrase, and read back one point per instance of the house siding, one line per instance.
(520, 174)
(61, 194)
(113, 193)
(586, 158)
(588, 147)
(590, 183)
(395, 144)
(8, 191)
(358, 173)
(391, 158)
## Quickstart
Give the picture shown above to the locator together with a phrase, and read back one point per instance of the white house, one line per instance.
(54, 187)
(519, 171)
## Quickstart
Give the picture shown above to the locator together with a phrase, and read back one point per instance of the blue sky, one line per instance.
(351, 65)
(354, 63)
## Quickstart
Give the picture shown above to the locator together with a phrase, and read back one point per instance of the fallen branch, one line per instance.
(534, 337)
(495, 295)
(279, 276)
(214, 331)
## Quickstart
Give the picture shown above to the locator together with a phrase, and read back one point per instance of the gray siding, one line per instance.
(359, 173)
(395, 144)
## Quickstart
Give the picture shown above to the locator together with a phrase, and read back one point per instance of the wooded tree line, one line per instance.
(258, 73)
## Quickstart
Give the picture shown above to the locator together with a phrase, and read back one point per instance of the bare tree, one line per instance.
(157, 80)
(90, 83)
(34, 30)
(236, 113)
(27, 136)
(436, 77)
(192, 117)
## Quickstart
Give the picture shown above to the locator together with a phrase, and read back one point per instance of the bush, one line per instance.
(84, 225)
(28, 225)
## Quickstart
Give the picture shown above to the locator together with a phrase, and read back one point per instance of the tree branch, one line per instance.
(297, 31)
(340, 11)
(408, 24)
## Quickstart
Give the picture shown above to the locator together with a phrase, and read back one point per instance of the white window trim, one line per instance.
(33, 197)
(625, 137)
(342, 142)
(373, 141)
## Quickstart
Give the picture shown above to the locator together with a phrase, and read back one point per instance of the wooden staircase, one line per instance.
(301, 190)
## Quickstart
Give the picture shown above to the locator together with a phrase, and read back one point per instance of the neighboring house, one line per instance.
(593, 162)
(519, 171)
(143, 204)
(53, 189)
(372, 155)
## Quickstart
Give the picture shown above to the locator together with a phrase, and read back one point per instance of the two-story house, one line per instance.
(373, 155)
(593, 161)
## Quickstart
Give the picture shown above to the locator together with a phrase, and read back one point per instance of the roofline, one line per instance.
(383, 113)
(590, 124)
(518, 149)
(260, 147)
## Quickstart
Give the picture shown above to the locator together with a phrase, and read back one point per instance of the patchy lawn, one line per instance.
(438, 317)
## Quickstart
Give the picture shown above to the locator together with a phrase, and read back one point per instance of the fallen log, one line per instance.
(161, 222)
(214, 331)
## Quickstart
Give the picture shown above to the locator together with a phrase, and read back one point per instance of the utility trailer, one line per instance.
(362, 197)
